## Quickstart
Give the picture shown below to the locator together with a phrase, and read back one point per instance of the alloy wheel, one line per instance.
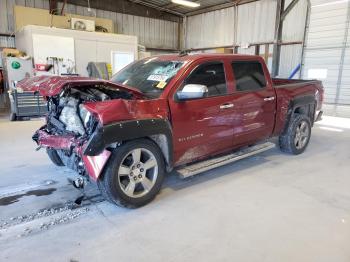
(301, 135)
(137, 173)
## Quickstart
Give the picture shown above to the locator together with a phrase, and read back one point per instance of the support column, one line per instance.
(278, 38)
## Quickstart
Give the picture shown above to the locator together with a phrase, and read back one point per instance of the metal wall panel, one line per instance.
(211, 29)
(155, 33)
(294, 23)
(327, 48)
(293, 30)
(289, 60)
(328, 59)
(344, 92)
(256, 22)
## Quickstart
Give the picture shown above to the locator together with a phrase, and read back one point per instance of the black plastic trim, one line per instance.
(128, 130)
(297, 102)
(302, 100)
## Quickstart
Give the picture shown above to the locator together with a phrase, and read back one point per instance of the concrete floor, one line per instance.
(271, 207)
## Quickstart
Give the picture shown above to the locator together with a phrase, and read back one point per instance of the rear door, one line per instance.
(254, 102)
(203, 127)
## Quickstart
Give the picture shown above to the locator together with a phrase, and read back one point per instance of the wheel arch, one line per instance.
(157, 130)
(304, 105)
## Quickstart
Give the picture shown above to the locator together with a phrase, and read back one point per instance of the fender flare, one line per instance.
(128, 130)
(299, 102)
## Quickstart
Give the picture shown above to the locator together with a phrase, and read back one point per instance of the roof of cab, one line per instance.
(194, 57)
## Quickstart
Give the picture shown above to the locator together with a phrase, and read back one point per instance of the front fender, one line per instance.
(128, 130)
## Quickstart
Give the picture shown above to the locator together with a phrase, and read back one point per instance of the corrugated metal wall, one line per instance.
(151, 32)
(211, 29)
(293, 30)
(327, 52)
(255, 24)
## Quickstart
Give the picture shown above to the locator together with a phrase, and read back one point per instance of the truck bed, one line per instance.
(285, 82)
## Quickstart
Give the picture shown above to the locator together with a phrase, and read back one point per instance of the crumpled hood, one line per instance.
(52, 85)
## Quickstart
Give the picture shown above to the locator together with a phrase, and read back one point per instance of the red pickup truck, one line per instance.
(183, 112)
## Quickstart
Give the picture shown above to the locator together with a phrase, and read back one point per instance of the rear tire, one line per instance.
(133, 175)
(297, 136)
(54, 157)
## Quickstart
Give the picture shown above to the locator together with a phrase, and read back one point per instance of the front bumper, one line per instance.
(93, 165)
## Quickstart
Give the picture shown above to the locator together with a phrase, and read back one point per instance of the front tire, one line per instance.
(296, 138)
(134, 174)
(54, 157)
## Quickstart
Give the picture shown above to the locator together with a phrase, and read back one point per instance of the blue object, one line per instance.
(294, 71)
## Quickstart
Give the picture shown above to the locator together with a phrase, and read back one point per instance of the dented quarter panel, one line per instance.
(287, 93)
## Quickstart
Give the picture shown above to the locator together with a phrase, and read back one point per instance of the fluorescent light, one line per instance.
(186, 3)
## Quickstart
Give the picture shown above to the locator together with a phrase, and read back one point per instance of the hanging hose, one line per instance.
(294, 71)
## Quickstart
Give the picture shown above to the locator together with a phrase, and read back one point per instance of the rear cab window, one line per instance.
(212, 75)
(249, 75)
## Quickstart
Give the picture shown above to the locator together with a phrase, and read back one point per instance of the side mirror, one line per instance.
(191, 91)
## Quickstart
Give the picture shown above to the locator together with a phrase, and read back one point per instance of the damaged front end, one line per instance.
(70, 124)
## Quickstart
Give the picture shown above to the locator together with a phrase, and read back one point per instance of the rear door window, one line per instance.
(211, 75)
(249, 75)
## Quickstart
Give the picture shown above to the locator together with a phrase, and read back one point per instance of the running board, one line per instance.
(206, 165)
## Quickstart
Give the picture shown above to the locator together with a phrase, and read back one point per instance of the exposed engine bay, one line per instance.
(69, 119)
(67, 114)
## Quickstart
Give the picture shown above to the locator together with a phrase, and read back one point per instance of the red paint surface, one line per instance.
(53, 85)
(200, 127)
(128, 109)
(54, 141)
(95, 164)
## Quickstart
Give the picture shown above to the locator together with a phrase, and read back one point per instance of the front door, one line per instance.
(203, 127)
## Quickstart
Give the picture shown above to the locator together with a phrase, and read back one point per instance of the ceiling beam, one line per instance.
(157, 7)
(132, 7)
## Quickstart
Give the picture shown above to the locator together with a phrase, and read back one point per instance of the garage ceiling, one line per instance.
(183, 9)
(205, 5)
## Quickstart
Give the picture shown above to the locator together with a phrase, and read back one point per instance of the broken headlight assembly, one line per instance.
(85, 115)
(88, 119)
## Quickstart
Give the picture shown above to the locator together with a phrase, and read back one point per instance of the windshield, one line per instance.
(149, 76)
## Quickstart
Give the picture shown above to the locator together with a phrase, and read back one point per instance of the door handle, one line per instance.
(269, 98)
(226, 106)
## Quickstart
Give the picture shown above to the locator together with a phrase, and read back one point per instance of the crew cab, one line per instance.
(170, 112)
